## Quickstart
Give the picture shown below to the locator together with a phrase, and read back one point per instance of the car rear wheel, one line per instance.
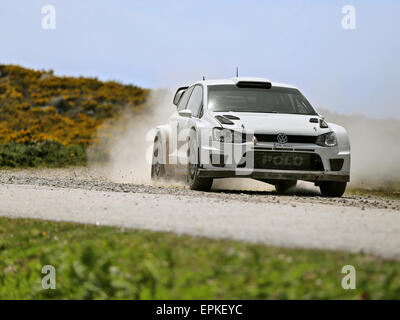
(195, 182)
(332, 188)
(284, 186)
(157, 165)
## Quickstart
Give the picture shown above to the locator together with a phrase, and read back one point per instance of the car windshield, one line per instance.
(225, 98)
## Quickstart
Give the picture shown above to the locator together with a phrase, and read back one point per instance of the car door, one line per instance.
(195, 105)
(176, 123)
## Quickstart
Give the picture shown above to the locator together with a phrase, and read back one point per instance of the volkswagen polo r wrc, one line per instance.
(254, 128)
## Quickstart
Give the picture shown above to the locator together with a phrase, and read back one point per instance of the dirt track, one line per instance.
(300, 220)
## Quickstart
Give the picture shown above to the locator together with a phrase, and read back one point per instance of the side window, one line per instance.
(301, 106)
(196, 101)
(183, 102)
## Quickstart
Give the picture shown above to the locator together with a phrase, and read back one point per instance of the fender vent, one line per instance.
(231, 117)
(224, 120)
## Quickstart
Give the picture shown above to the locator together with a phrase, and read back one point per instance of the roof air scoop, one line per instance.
(252, 83)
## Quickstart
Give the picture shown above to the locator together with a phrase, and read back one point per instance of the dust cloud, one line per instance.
(128, 140)
(375, 152)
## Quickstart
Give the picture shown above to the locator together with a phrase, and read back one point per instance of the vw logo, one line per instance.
(282, 138)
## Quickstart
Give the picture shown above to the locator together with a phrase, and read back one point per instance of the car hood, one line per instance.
(272, 123)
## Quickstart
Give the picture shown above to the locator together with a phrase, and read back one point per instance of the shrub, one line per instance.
(45, 153)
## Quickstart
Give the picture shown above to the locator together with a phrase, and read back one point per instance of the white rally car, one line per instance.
(254, 128)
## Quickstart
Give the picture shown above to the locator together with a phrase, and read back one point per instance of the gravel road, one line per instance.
(303, 219)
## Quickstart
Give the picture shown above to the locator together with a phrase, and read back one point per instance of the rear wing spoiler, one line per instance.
(178, 95)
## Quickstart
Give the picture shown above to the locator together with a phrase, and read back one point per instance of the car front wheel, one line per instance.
(157, 165)
(332, 188)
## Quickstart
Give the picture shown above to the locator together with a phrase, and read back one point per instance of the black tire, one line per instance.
(284, 186)
(332, 188)
(194, 181)
(157, 165)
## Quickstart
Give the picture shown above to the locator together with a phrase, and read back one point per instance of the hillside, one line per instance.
(43, 115)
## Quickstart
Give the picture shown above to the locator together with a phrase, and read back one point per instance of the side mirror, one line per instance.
(185, 113)
(178, 95)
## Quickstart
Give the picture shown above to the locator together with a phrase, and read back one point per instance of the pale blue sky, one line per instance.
(166, 43)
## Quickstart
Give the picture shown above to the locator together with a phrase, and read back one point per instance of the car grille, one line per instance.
(291, 138)
(288, 161)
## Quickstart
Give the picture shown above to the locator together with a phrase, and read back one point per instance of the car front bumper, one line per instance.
(327, 154)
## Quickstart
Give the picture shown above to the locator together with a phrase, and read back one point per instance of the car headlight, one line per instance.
(227, 135)
(327, 140)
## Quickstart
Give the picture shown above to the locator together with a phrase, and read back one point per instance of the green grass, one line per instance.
(101, 262)
(41, 154)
